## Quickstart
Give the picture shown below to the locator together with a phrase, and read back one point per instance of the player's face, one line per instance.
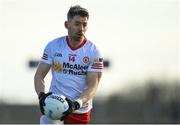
(77, 27)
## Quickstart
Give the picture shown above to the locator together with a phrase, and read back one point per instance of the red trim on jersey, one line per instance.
(97, 66)
(78, 118)
(79, 46)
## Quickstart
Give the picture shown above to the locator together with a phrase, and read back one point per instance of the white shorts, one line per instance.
(45, 120)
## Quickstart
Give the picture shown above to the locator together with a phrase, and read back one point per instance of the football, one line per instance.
(55, 105)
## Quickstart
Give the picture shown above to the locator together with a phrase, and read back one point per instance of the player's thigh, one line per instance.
(45, 120)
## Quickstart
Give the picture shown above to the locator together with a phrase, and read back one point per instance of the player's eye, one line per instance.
(77, 24)
(85, 25)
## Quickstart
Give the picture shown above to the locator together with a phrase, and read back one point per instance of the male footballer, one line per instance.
(76, 66)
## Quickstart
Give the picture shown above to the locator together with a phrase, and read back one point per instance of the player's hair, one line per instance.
(77, 10)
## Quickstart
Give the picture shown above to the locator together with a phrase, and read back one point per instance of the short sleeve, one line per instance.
(46, 57)
(96, 63)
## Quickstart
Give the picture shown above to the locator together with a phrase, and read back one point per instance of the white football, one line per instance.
(55, 105)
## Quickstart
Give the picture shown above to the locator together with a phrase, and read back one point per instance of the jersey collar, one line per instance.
(79, 46)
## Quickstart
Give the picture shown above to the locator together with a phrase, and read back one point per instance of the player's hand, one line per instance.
(72, 106)
(42, 96)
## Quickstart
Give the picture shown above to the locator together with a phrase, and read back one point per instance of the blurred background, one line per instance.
(140, 42)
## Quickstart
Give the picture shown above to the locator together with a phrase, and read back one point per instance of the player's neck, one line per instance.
(75, 43)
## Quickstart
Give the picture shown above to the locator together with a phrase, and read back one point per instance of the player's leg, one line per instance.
(45, 120)
(75, 118)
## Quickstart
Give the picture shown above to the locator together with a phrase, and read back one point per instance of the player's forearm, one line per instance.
(92, 82)
(88, 94)
(39, 84)
(41, 72)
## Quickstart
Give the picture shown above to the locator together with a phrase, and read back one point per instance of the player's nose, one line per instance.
(81, 28)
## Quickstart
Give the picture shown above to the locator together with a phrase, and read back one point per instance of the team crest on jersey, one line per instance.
(57, 66)
(86, 60)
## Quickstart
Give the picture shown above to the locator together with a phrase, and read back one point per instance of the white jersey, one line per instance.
(70, 66)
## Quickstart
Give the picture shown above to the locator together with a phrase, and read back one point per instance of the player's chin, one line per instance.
(79, 37)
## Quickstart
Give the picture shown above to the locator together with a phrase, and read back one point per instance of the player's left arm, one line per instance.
(93, 79)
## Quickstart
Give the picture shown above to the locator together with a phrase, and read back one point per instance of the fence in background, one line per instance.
(110, 112)
(155, 103)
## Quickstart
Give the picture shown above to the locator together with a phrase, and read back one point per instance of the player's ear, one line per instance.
(66, 24)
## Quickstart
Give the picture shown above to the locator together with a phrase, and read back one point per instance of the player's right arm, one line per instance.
(42, 70)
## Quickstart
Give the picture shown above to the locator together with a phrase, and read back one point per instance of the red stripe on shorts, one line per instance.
(75, 118)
